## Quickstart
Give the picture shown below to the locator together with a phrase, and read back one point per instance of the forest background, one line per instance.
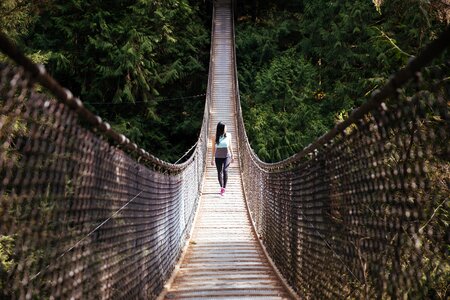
(142, 65)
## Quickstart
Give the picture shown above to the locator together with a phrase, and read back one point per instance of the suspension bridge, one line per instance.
(361, 213)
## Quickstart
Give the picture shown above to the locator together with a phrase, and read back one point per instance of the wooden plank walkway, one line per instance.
(224, 258)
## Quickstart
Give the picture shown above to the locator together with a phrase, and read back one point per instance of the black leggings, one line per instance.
(222, 170)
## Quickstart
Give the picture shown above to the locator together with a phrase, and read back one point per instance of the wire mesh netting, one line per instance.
(364, 211)
(79, 217)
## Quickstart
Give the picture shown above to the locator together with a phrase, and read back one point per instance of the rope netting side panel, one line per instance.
(363, 213)
(80, 218)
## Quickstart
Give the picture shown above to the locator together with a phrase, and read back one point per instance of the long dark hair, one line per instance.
(220, 131)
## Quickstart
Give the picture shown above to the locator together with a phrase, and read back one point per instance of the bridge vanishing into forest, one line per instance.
(361, 213)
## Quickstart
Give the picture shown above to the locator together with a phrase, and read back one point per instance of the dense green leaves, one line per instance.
(122, 58)
(16, 19)
(15, 16)
(303, 63)
(285, 101)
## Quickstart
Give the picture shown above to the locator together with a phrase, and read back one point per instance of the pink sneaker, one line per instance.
(222, 191)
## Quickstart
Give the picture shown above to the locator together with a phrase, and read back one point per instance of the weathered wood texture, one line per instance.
(224, 258)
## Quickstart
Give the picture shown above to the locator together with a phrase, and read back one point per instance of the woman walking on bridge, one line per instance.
(222, 154)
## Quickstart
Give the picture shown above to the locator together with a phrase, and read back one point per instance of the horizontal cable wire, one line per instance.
(149, 101)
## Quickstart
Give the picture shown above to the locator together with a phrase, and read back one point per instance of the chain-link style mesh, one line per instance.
(79, 217)
(364, 211)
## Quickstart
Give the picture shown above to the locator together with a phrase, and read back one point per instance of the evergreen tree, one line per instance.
(122, 57)
(333, 54)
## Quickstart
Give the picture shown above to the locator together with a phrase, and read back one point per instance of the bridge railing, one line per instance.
(363, 212)
(84, 212)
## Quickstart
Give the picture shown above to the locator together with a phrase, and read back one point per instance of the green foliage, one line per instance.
(315, 59)
(6, 261)
(121, 57)
(15, 16)
(114, 52)
(283, 112)
(6, 252)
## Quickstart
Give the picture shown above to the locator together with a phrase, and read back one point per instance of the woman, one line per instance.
(222, 154)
